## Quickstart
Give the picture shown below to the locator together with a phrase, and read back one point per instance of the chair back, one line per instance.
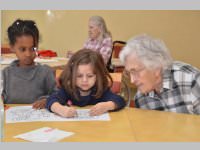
(128, 90)
(5, 50)
(117, 47)
(122, 86)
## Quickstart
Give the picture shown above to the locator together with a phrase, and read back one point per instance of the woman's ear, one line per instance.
(99, 28)
(158, 72)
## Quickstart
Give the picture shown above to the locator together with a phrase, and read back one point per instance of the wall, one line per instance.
(67, 30)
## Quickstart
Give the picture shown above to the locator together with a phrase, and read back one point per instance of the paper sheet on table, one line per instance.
(44, 134)
(27, 114)
(41, 60)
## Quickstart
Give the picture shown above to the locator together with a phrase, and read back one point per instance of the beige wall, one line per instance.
(67, 30)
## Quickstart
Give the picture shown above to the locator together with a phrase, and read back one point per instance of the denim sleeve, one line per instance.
(60, 96)
(117, 99)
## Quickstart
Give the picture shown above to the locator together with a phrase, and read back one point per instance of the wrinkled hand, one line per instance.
(101, 108)
(39, 104)
(68, 112)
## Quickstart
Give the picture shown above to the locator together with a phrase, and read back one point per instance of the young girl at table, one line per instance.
(85, 81)
(24, 81)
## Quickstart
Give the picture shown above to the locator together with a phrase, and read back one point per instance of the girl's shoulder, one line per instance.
(65, 93)
(44, 68)
(108, 91)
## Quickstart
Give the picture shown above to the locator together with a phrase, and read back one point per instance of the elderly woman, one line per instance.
(99, 38)
(162, 84)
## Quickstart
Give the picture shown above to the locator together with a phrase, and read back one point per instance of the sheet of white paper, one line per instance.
(44, 134)
(41, 60)
(27, 114)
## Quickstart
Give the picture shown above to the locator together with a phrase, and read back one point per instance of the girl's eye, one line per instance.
(90, 76)
(87, 76)
(79, 76)
(22, 49)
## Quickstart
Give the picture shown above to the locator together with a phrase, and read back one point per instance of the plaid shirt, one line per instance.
(104, 47)
(180, 91)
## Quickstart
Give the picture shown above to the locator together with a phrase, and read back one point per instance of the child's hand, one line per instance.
(101, 108)
(68, 112)
(39, 104)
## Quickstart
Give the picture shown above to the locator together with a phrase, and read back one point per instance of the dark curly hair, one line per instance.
(23, 27)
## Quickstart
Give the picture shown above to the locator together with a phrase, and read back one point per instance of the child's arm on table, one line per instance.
(63, 110)
(102, 107)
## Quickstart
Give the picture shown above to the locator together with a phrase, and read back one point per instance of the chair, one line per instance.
(122, 86)
(128, 90)
(116, 82)
(117, 47)
(6, 50)
(58, 72)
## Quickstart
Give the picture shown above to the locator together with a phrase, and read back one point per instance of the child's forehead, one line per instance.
(85, 67)
(89, 65)
(24, 40)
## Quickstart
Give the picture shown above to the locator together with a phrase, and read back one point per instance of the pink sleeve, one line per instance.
(106, 49)
(85, 45)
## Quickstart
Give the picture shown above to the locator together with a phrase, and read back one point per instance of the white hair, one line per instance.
(99, 22)
(152, 52)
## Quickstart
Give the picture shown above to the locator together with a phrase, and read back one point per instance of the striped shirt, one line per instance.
(180, 91)
(104, 47)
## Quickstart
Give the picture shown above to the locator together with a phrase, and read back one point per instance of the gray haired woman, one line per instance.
(99, 39)
(162, 84)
